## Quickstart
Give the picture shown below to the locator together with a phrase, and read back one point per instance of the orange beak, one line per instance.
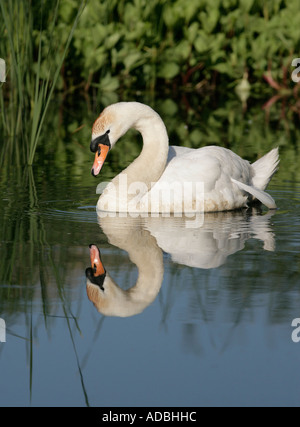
(96, 261)
(100, 157)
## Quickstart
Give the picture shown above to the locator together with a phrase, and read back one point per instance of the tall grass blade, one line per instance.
(40, 111)
(25, 103)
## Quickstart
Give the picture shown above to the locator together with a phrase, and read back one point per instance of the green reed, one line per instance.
(26, 43)
(29, 267)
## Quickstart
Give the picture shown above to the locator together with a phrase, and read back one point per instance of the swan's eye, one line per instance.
(108, 132)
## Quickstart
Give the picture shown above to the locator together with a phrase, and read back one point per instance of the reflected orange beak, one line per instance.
(96, 262)
(100, 157)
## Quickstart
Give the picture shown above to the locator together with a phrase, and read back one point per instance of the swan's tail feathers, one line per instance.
(260, 195)
(264, 169)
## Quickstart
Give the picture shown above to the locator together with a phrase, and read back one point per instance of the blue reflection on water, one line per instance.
(216, 332)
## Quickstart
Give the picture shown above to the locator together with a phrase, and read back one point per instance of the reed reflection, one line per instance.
(145, 240)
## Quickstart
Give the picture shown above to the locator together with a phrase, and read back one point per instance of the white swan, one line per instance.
(145, 239)
(228, 181)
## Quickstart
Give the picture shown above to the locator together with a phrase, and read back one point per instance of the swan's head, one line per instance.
(96, 274)
(113, 122)
(108, 298)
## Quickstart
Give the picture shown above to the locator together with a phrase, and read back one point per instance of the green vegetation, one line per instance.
(32, 72)
(146, 45)
(195, 44)
(120, 47)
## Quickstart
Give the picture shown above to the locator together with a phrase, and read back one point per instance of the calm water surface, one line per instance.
(210, 323)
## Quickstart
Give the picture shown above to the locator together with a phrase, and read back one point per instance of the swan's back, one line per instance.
(222, 173)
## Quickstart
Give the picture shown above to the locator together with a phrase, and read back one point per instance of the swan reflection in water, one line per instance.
(145, 239)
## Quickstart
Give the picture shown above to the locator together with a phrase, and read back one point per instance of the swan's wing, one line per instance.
(214, 166)
(191, 165)
(226, 178)
(177, 152)
(260, 195)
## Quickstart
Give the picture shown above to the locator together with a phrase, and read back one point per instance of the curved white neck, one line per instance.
(151, 163)
(144, 252)
(148, 167)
